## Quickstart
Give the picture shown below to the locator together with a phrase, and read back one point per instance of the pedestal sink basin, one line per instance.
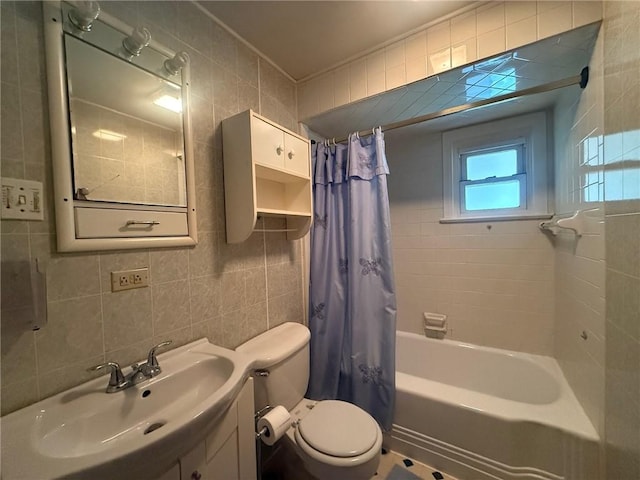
(135, 433)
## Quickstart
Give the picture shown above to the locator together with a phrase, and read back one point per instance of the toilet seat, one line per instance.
(338, 433)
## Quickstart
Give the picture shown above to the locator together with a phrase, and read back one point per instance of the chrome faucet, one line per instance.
(152, 368)
(139, 373)
(117, 380)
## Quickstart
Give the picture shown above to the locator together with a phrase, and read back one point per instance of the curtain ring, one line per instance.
(334, 142)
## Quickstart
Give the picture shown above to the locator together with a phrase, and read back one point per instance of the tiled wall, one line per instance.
(494, 280)
(144, 166)
(622, 208)
(226, 292)
(485, 31)
(580, 262)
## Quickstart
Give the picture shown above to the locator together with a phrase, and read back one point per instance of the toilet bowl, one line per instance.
(335, 440)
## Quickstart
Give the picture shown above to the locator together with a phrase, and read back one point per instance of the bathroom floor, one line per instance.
(284, 465)
(422, 471)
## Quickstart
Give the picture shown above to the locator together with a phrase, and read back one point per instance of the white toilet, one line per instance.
(335, 439)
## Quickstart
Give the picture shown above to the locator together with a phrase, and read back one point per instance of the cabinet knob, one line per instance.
(196, 475)
(292, 153)
(279, 149)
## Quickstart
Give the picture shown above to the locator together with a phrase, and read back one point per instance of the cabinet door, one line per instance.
(172, 474)
(296, 158)
(267, 143)
(193, 466)
(224, 464)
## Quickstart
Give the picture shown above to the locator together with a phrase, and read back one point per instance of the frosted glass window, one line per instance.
(493, 195)
(492, 178)
(502, 163)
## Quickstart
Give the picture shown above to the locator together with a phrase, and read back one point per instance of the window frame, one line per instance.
(530, 131)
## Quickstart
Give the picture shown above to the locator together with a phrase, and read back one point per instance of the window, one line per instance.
(496, 170)
(493, 179)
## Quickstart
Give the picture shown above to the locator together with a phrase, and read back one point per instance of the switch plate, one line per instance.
(129, 279)
(22, 199)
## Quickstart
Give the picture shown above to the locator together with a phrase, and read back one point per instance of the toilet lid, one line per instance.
(339, 429)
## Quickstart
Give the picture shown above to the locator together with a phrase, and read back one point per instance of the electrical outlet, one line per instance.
(128, 279)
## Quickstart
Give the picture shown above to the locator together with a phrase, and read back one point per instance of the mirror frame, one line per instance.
(61, 153)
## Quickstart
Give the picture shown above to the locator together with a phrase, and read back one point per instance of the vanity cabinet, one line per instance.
(228, 451)
(267, 171)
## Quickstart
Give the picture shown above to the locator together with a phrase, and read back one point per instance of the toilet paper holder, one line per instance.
(257, 417)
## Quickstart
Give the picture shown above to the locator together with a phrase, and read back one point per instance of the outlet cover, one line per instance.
(129, 279)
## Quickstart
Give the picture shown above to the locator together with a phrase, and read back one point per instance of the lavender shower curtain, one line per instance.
(352, 299)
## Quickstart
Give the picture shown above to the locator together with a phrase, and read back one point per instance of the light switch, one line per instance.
(22, 199)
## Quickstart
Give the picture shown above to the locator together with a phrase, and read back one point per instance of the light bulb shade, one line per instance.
(175, 64)
(84, 14)
(139, 38)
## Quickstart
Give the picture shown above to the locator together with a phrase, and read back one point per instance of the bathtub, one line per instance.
(484, 413)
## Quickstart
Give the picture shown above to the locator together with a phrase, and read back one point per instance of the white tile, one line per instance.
(491, 43)
(516, 11)
(586, 12)
(545, 5)
(554, 21)
(325, 92)
(375, 62)
(416, 69)
(375, 82)
(395, 77)
(394, 55)
(463, 27)
(357, 80)
(308, 99)
(438, 37)
(490, 18)
(439, 61)
(416, 46)
(341, 86)
(521, 33)
(463, 53)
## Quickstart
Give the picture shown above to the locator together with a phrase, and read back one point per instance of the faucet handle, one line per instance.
(152, 367)
(117, 379)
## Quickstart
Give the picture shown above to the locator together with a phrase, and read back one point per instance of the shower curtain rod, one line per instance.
(582, 79)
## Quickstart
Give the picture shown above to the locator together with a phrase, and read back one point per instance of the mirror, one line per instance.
(122, 154)
(126, 127)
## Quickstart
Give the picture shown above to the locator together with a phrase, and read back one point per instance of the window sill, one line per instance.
(502, 218)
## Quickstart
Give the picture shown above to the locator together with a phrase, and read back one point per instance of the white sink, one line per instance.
(135, 433)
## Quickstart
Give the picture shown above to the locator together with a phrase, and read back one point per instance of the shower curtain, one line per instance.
(352, 311)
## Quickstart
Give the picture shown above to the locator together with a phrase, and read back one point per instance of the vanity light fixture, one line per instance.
(169, 102)
(84, 14)
(175, 64)
(139, 38)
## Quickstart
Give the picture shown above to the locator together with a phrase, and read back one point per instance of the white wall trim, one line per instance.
(243, 41)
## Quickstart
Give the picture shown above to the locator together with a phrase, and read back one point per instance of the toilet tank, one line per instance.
(283, 352)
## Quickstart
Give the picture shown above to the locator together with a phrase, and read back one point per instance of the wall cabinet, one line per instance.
(228, 451)
(267, 171)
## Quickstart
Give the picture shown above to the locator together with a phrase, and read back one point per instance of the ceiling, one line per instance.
(307, 37)
(548, 60)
